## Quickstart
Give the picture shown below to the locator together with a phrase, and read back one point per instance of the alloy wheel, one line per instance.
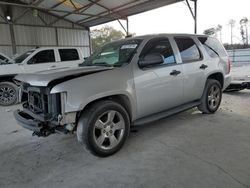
(214, 97)
(109, 130)
(7, 95)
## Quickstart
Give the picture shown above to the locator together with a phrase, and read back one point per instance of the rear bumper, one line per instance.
(238, 86)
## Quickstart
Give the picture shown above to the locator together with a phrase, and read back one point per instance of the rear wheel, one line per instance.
(103, 128)
(8, 93)
(211, 97)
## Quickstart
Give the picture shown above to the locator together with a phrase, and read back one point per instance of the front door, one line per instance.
(43, 60)
(159, 87)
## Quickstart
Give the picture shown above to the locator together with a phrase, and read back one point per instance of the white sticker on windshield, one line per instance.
(129, 46)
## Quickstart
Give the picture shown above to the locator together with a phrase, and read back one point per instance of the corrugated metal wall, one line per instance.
(5, 40)
(31, 31)
(71, 37)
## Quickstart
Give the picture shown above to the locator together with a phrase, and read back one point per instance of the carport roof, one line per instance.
(90, 13)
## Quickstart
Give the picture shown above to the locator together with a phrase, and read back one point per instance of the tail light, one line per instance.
(229, 65)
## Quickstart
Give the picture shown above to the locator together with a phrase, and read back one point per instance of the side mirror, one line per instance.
(151, 59)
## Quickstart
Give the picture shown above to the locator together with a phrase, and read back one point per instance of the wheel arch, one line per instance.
(121, 99)
(217, 76)
(7, 78)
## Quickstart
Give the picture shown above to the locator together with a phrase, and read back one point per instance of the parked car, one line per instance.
(4, 59)
(128, 82)
(240, 78)
(40, 59)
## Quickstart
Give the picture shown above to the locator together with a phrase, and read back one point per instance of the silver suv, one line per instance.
(128, 82)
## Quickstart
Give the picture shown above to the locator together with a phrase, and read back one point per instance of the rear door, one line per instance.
(69, 57)
(158, 88)
(194, 67)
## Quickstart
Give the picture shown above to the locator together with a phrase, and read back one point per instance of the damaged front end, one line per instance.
(43, 113)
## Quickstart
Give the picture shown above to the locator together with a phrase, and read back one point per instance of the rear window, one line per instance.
(188, 49)
(212, 46)
(68, 54)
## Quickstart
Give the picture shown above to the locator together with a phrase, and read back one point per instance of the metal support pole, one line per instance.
(247, 34)
(122, 26)
(193, 13)
(57, 40)
(231, 35)
(195, 16)
(13, 40)
(127, 27)
(90, 42)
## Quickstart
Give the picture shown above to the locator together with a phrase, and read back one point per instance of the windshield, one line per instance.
(20, 58)
(113, 54)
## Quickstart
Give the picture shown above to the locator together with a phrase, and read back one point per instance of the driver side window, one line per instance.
(45, 56)
(160, 46)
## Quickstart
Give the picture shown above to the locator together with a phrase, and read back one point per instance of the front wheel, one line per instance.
(103, 128)
(8, 94)
(211, 97)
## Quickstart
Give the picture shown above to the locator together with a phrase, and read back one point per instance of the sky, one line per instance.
(176, 18)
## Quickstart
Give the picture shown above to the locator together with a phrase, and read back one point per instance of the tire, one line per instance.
(211, 97)
(103, 128)
(8, 94)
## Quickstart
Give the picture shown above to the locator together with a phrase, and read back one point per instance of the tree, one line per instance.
(244, 30)
(104, 35)
(242, 33)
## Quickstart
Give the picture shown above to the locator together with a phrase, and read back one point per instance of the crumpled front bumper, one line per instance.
(27, 121)
(35, 123)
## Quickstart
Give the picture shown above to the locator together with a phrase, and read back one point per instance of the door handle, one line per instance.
(203, 66)
(175, 73)
(53, 66)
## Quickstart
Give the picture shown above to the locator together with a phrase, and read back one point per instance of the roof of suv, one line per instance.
(142, 37)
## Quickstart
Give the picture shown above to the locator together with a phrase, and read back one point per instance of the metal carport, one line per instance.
(64, 22)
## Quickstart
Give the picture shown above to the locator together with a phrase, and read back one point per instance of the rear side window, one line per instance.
(188, 49)
(212, 46)
(161, 46)
(45, 56)
(68, 54)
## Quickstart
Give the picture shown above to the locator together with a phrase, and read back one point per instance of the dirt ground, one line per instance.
(186, 150)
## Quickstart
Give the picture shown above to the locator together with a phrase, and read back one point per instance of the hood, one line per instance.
(56, 76)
